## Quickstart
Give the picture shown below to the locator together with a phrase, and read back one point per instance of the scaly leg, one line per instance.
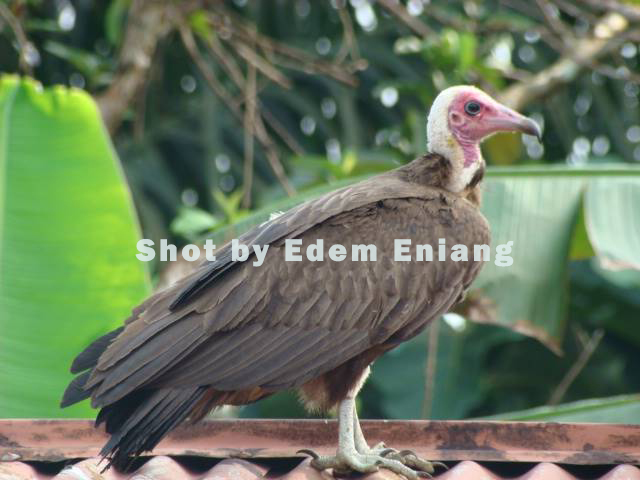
(361, 443)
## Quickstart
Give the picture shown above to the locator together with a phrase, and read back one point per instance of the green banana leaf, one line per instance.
(613, 220)
(540, 209)
(68, 237)
(618, 409)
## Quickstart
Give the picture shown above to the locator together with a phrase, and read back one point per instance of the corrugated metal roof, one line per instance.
(251, 449)
(165, 468)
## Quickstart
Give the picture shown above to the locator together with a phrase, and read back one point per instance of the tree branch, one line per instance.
(430, 367)
(148, 22)
(631, 12)
(399, 11)
(260, 131)
(582, 53)
(249, 122)
(25, 47)
(576, 368)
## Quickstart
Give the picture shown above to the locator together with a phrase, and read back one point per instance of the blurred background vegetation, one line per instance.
(222, 112)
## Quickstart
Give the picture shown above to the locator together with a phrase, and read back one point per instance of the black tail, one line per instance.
(90, 355)
(86, 360)
(141, 419)
(136, 422)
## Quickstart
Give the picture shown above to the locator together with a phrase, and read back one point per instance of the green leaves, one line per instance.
(398, 378)
(68, 234)
(538, 217)
(191, 222)
(613, 221)
(618, 409)
(539, 209)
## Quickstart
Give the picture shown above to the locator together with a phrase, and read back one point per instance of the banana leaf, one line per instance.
(68, 234)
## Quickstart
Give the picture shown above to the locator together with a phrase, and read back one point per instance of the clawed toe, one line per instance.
(355, 455)
(309, 452)
(408, 465)
(386, 451)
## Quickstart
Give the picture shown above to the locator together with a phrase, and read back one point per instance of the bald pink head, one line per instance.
(459, 119)
(473, 116)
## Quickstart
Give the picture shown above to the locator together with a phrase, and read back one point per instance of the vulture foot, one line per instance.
(411, 460)
(355, 455)
(347, 462)
(406, 457)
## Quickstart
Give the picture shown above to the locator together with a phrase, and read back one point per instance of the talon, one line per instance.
(405, 453)
(440, 464)
(386, 452)
(423, 465)
(311, 453)
(424, 474)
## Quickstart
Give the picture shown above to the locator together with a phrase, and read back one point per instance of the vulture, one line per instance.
(231, 333)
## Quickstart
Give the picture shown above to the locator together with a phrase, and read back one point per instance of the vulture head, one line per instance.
(460, 118)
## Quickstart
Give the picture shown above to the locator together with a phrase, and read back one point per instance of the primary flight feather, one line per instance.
(232, 333)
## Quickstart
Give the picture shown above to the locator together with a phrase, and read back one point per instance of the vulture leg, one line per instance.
(349, 459)
(361, 443)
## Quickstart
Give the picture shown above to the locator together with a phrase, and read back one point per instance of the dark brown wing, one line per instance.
(284, 323)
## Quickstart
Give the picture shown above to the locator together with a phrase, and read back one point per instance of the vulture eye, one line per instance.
(472, 108)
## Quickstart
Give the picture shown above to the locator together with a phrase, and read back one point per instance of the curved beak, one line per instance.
(507, 120)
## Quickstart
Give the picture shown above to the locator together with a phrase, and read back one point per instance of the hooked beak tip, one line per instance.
(507, 119)
(530, 127)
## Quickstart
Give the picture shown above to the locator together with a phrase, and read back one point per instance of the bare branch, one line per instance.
(576, 368)
(231, 67)
(226, 60)
(430, 367)
(249, 122)
(272, 156)
(148, 21)
(25, 47)
(252, 58)
(215, 85)
(227, 98)
(575, 11)
(629, 11)
(583, 53)
(278, 53)
(556, 25)
(399, 11)
(281, 131)
(350, 44)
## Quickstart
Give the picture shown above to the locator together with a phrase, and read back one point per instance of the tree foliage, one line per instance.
(221, 112)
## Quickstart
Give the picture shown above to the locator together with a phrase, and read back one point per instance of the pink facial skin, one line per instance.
(491, 117)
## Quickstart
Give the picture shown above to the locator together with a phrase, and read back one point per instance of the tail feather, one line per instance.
(88, 358)
(75, 392)
(139, 421)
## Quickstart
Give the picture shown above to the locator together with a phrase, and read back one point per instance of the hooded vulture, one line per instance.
(231, 333)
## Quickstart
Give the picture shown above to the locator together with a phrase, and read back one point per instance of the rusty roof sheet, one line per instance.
(250, 449)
